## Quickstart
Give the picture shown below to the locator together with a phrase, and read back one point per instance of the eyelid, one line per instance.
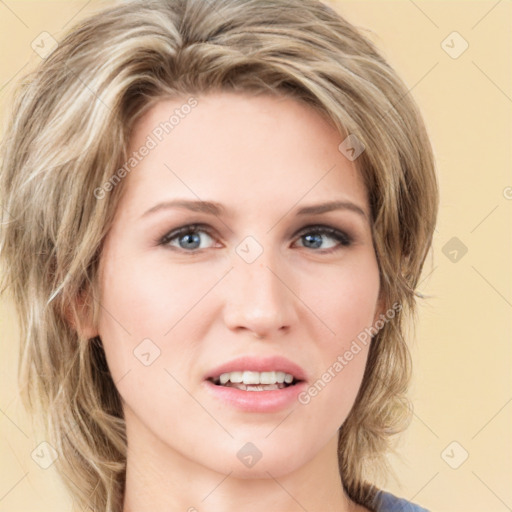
(342, 236)
(329, 230)
(173, 233)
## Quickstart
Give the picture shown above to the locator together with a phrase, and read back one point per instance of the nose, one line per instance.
(259, 298)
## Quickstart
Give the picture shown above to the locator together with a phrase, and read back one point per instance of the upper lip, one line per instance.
(259, 364)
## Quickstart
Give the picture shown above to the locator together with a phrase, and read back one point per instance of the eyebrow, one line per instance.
(213, 208)
(209, 207)
(331, 206)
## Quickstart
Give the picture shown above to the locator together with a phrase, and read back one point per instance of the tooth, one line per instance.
(267, 387)
(254, 378)
(257, 387)
(267, 377)
(251, 377)
(254, 388)
(236, 377)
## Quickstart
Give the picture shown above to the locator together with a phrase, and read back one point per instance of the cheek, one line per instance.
(347, 305)
(146, 307)
(143, 309)
(148, 299)
(347, 302)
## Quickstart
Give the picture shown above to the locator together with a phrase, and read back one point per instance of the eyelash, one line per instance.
(343, 238)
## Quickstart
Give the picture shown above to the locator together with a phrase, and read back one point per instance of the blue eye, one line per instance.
(188, 238)
(314, 236)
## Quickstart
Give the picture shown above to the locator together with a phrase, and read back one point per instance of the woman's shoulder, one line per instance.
(387, 502)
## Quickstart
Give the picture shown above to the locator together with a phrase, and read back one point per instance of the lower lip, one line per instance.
(256, 401)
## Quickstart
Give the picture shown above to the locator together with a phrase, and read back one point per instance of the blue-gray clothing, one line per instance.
(387, 502)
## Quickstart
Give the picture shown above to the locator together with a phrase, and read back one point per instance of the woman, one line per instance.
(215, 218)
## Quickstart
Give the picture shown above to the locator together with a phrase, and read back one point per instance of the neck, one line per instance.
(160, 479)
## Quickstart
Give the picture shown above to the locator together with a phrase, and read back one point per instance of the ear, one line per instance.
(82, 323)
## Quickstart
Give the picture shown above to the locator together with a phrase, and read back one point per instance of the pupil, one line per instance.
(318, 240)
(189, 240)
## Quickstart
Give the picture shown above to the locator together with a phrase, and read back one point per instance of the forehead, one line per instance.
(236, 148)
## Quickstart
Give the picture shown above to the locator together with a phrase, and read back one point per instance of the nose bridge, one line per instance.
(258, 298)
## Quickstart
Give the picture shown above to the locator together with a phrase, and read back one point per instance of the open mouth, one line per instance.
(255, 381)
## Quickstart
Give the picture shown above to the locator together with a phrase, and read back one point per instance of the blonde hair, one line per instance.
(68, 134)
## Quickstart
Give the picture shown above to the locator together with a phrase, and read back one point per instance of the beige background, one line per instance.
(462, 387)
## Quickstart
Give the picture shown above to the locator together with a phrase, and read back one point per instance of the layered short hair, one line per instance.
(68, 134)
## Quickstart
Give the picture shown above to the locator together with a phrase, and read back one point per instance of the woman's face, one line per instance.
(254, 280)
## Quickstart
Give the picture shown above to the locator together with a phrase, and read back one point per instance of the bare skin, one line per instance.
(262, 158)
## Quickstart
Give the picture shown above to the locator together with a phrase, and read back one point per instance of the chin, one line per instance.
(277, 463)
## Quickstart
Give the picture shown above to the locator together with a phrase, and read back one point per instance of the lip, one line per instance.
(256, 401)
(259, 364)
